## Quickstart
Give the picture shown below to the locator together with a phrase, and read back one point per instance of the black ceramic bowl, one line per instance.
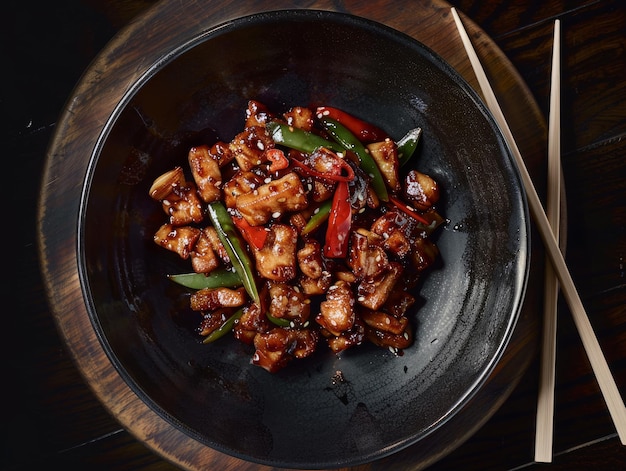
(328, 410)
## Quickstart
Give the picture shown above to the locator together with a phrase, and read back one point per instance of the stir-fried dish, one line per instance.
(306, 229)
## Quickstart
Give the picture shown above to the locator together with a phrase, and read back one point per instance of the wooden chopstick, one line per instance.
(545, 402)
(611, 394)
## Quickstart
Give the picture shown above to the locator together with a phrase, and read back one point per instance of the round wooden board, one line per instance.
(131, 54)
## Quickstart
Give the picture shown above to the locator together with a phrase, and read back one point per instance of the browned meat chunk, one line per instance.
(382, 321)
(366, 260)
(349, 338)
(398, 302)
(252, 322)
(313, 286)
(211, 234)
(257, 114)
(272, 199)
(209, 299)
(276, 261)
(241, 183)
(279, 346)
(300, 117)
(212, 320)
(372, 293)
(424, 253)
(389, 340)
(385, 153)
(398, 231)
(203, 256)
(206, 173)
(287, 302)
(178, 197)
(337, 311)
(310, 259)
(420, 190)
(249, 147)
(177, 239)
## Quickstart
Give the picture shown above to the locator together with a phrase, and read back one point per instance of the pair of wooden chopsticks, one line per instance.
(547, 226)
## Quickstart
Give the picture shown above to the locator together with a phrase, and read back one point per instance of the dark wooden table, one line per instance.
(51, 417)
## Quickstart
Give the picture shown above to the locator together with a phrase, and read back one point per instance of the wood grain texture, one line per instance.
(55, 419)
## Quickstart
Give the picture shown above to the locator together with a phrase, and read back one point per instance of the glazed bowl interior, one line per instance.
(327, 410)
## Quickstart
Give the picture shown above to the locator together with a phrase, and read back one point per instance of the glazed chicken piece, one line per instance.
(310, 259)
(275, 349)
(314, 286)
(424, 253)
(178, 197)
(272, 199)
(257, 114)
(276, 261)
(385, 153)
(209, 299)
(350, 338)
(398, 231)
(420, 190)
(289, 303)
(212, 320)
(241, 183)
(300, 117)
(372, 293)
(206, 173)
(216, 244)
(398, 302)
(252, 322)
(177, 239)
(249, 147)
(388, 339)
(365, 258)
(337, 311)
(382, 321)
(203, 256)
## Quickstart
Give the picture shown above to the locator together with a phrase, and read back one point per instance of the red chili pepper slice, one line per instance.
(335, 177)
(254, 235)
(402, 206)
(278, 159)
(339, 223)
(364, 131)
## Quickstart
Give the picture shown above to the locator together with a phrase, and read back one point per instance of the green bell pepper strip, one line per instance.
(298, 139)
(223, 329)
(408, 144)
(228, 235)
(278, 321)
(350, 142)
(318, 218)
(220, 277)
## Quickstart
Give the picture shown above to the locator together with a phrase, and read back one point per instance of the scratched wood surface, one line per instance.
(54, 418)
